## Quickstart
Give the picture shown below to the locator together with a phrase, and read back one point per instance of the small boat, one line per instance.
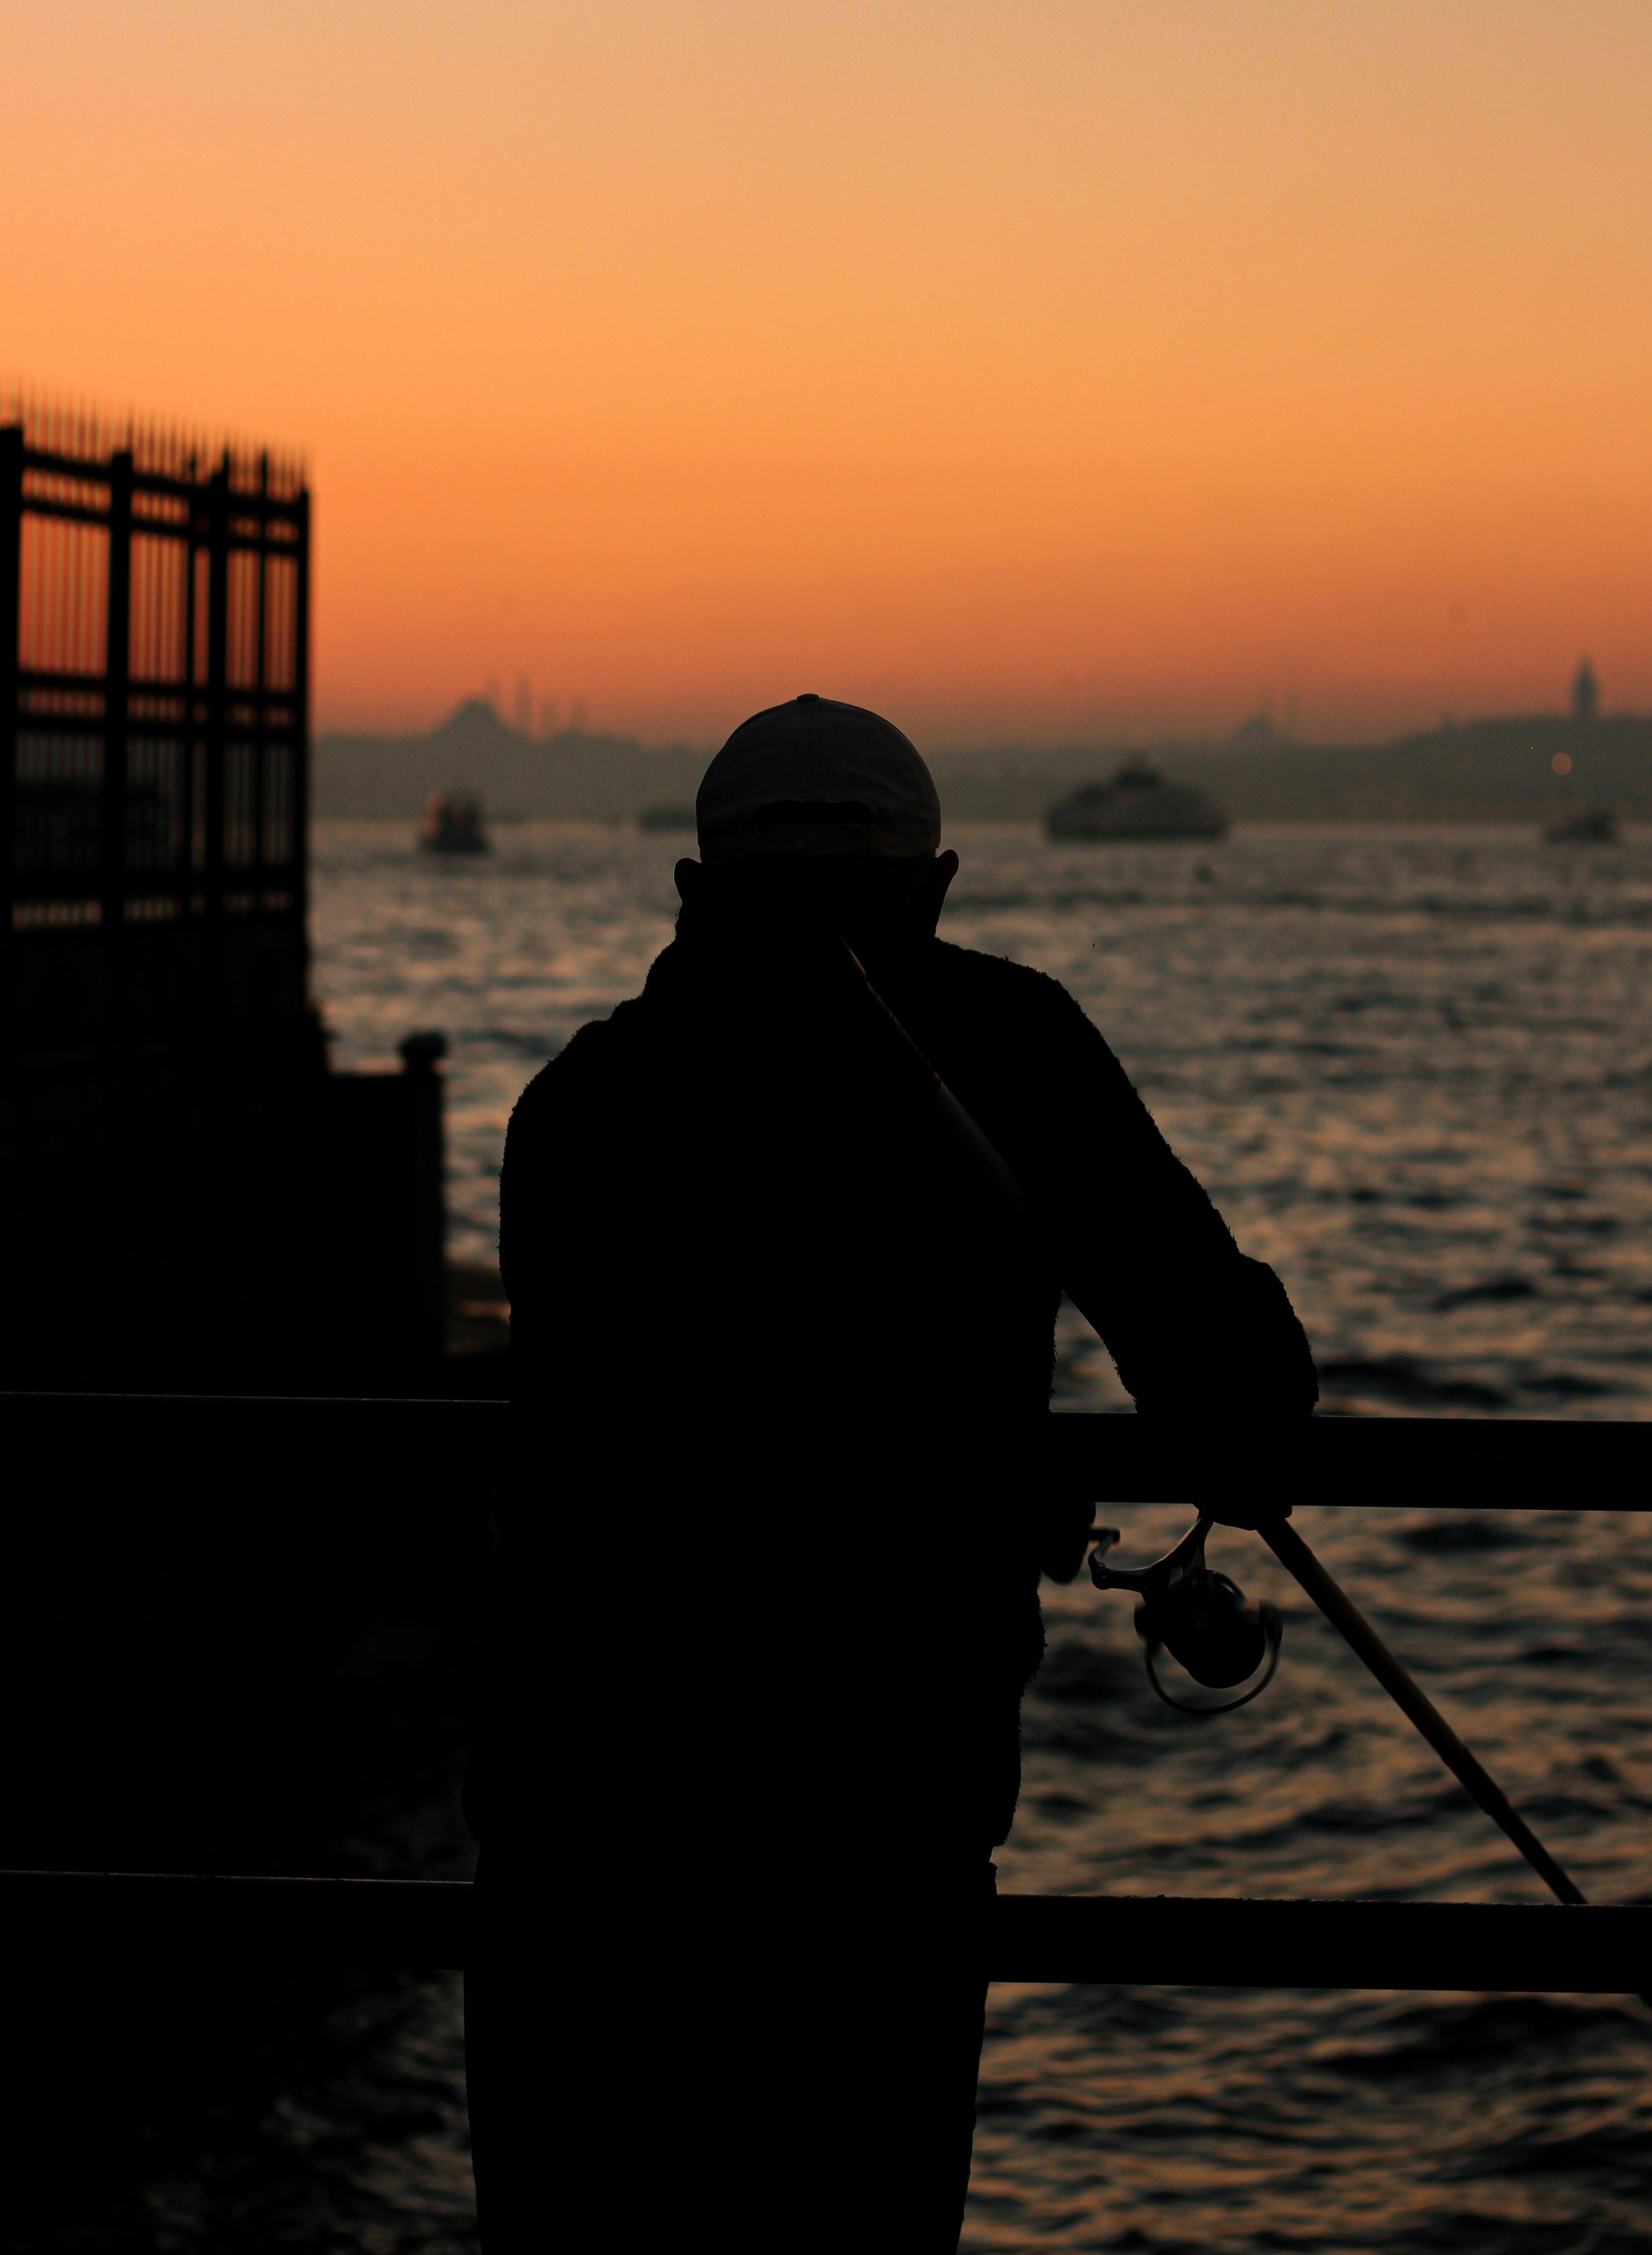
(666, 818)
(1597, 826)
(1137, 803)
(452, 824)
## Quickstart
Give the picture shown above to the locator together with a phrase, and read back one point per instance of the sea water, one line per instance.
(1414, 1069)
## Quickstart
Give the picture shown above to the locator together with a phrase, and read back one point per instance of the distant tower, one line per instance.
(1585, 694)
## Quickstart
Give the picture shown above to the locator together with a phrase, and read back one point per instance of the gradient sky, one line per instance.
(1035, 371)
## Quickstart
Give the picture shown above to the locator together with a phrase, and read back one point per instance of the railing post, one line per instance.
(261, 628)
(116, 665)
(10, 602)
(301, 735)
(217, 688)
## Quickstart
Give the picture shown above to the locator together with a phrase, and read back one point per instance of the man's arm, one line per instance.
(1196, 1330)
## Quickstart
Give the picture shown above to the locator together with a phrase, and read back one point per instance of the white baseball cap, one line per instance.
(813, 776)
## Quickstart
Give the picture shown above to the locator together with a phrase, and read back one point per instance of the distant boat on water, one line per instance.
(1137, 803)
(1597, 826)
(452, 824)
(666, 818)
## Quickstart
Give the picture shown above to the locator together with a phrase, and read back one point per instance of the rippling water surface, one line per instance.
(1415, 1071)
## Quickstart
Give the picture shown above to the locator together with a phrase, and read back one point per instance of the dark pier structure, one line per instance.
(192, 1201)
(192, 1197)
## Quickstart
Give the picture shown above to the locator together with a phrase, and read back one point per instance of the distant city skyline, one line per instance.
(1578, 694)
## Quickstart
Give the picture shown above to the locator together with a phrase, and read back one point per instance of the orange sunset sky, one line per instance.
(1037, 372)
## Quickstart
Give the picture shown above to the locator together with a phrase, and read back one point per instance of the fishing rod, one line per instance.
(1201, 1617)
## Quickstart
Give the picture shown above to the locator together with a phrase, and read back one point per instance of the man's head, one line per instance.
(825, 813)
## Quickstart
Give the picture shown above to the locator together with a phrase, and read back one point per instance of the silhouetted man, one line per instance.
(767, 1581)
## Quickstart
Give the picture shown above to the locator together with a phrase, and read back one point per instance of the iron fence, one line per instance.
(154, 689)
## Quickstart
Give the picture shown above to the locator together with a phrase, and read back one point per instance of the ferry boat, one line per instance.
(452, 824)
(1137, 803)
(1597, 826)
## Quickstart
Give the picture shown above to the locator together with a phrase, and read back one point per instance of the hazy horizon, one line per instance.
(540, 725)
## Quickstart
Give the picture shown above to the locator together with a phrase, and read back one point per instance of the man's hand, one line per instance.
(1064, 1536)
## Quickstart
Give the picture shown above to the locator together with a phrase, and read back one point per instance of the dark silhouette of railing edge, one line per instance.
(1199, 1942)
(393, 1458)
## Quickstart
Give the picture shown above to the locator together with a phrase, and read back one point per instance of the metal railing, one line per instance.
(1219, 1942)
(396, 1457)
(1416, 1463)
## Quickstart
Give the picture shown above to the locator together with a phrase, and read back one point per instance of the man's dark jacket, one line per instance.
(768, 1570)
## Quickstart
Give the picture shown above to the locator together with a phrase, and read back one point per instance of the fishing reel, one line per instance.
(1198, 1616)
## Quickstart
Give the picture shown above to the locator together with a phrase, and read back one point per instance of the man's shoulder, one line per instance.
(587, 1060)
(965, 977)
(991, 1024)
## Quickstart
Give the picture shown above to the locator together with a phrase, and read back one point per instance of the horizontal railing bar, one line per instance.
(76, 512)
(152, 883)
(139, 884)
(40, 676)
(1438, 1463)
(242, 501)
(1235, 1943)
(163, 727)
(1152, 1941)
(153, 528)
(46, 888)
(45, 677)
